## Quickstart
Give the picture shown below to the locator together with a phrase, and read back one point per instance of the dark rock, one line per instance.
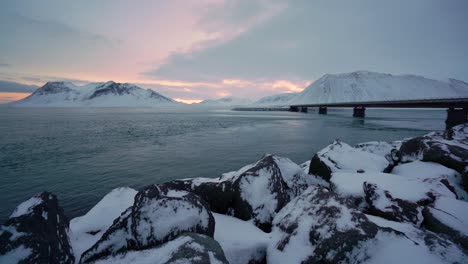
(158, 215)
(465, 179)
(319, 168)
(37, 228)
(448, 148)
(187, 253)
(334, 228)
(256, 192)
(217, 194)
(259, 193)
(382, 203)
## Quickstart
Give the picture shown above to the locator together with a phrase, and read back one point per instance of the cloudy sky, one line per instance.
(199, 49)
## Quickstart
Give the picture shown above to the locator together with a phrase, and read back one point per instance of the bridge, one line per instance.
(457, 108)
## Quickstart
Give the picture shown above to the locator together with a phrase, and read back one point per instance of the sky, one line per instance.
(192, 50)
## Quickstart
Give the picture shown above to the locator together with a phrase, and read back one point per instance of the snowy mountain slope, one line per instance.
(276, 99)
(372, 86)
(226, 101)
(108, 94)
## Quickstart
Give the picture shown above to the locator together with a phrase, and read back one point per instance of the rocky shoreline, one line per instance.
(378, 202)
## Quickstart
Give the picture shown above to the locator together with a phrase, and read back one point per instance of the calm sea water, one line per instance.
(82, 154)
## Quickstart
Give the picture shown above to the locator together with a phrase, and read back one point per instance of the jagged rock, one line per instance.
(320, 227)
(157, 216)
(187, 248)
(339, 156)
(382, 203)
(255, 192)
(449, 217)
(36, 232)
(449, 148)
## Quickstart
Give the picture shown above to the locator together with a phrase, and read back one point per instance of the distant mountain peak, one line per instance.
(95, 94)
(226, 101)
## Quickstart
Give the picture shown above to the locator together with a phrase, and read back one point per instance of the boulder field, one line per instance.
(377, 202)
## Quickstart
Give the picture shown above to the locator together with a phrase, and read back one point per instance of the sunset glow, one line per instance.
(188, 101)
(6, 97)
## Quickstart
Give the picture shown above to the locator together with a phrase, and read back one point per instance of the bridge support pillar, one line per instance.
(304, 109)
(456, 116)
(322, 111)
(359, 111)
(293, 109)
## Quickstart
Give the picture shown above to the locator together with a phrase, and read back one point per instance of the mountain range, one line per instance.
(107, 94)
(349, 87)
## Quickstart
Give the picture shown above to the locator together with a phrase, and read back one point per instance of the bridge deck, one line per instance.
(421, 103)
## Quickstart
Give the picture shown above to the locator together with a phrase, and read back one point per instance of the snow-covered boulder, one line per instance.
(36, 232)
(242, 242)
(428, 247)
(87, 229)
(187, 248)
(385, 149)
(449, 217)
(320, 227)
(414, 190)
(255, 192)
(340, 156)
(433, 171)
(158, 215)
(449, 148)
(382, 203)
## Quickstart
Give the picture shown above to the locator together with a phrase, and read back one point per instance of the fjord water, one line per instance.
(81, 154)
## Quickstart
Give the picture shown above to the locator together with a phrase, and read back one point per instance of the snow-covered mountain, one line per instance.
(368, 86)
(107, 94)
(226, 101)
(372, 86)
(276, 99)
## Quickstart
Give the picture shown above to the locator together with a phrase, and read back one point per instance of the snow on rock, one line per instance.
(36, 232)
(430, 170)
(158, 215)
(362, 86)
(187, 248)
(254, 193)
(410, 189)
(106, 94)
(293, 175)
(385, 149)
(27, 206)
(320, 227)
(428, 244)
(382, 203)
(87, 229)
(448, 148)
(242, 242)
(339, 156)
(449, 217)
